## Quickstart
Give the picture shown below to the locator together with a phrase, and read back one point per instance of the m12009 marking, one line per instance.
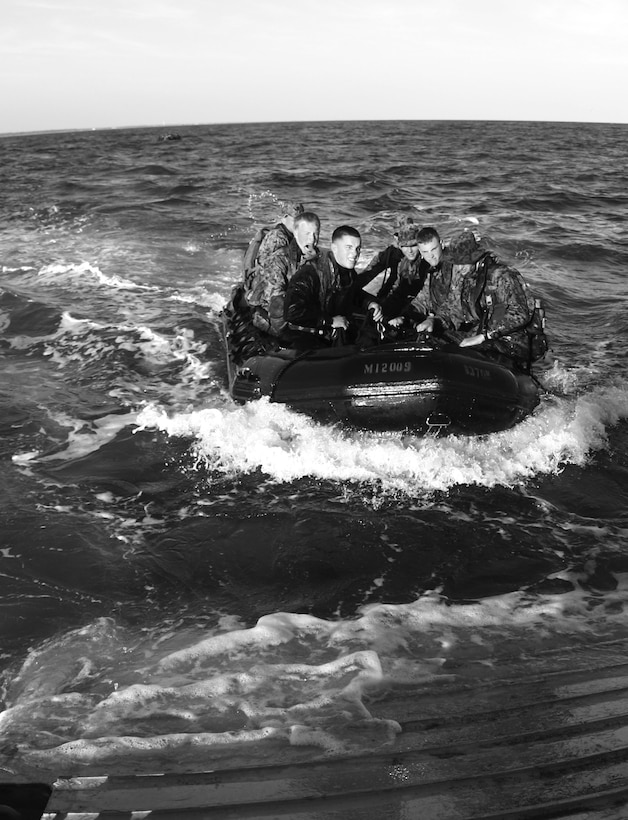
(387, 367)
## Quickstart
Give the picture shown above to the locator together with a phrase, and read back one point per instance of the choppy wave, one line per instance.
(184, 576)
(120, 696)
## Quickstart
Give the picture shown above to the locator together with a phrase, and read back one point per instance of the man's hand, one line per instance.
(426, 326)
(378, 313)
(309, 252)
(340, 322)
(472, 341)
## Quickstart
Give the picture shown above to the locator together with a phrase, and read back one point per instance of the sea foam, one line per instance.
(286, 445)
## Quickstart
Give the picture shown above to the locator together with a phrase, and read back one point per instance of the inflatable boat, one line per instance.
(424, 386)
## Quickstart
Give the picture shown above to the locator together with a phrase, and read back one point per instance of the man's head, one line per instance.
(307, 227)
(346, 244)
(407, 238)
(290, 211)
(430, 246)
(464, 249)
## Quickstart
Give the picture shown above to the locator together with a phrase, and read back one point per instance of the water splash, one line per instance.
(286, 445)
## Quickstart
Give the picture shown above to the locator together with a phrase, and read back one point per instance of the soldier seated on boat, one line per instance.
(324, 293)
(268, 288)
(474, 296)
(266, 241)
(395, 277)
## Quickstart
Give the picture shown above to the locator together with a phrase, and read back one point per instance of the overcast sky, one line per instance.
(70, 64)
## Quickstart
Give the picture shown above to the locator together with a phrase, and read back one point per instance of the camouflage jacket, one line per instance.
(484, 297)
(494, 299)
(263, 245)
(277, 237)
(443, 295)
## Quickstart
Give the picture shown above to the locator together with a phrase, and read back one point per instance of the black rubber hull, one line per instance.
(399, 386)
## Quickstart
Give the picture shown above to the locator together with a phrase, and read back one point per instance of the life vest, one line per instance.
(534, 327)
(249, 266)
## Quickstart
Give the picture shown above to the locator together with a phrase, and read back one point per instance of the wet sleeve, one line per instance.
(275, 278)
(510, 305)
(398, 299)
(376, 265)
(408, 296)
(302, 303)
(420, 302)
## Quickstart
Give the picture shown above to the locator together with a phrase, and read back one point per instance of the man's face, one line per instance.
(431, 252)
(346, 250)
(410, 252)
(306, 234)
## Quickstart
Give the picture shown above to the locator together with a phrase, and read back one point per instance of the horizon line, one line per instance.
(170, 126)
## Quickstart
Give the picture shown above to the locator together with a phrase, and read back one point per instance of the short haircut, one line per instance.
(307, 216)
(426, 235)
(345, 230)
(292, 209)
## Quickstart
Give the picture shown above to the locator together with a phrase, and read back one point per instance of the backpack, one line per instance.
(249, 265)
(537, 341)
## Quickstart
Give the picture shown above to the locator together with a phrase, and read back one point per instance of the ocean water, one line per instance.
(182, 576)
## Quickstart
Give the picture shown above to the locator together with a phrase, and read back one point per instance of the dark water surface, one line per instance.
(173, 565)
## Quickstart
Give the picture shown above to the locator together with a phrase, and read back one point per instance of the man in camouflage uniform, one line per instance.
(280, 234)
(266, 241)
(266, 297)
(474, 295)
